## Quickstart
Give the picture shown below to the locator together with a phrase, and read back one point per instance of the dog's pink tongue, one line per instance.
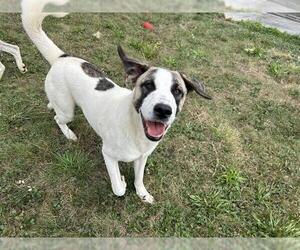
(155, 129)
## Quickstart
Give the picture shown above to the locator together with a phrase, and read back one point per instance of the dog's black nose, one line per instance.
(162, 111)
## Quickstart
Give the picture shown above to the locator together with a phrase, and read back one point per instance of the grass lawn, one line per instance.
(228, 167)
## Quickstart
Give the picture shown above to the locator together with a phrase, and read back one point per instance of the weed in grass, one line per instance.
(149, 49)
(198, 54)
(275, 226)
(258, 27)
(263, 193)
(280, 70)
(209, 206)
(136, 44)
(275, 69)
(72, 163)
(292, 68)
(232, 178)
(254, 51)
(171, 62)
(211, 202)
(118, 32)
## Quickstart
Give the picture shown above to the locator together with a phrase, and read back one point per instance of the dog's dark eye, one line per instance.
(176, 91)
(148, 86)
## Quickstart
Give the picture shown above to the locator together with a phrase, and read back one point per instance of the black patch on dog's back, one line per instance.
(91, 70)
(104, 85)
(64, 55)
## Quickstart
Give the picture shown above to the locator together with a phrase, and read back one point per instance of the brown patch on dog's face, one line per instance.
(178, 90)
(145, 84)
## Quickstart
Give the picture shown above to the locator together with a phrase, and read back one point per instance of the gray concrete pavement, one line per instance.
(283, 15)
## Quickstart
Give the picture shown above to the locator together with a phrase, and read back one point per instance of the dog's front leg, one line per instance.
(117, 181)
(2, 69)
(139, 168)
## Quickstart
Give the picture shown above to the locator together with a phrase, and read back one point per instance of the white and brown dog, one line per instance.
(130, 123)
(15, 52)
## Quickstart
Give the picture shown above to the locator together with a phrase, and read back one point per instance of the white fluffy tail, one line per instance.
(32, 19)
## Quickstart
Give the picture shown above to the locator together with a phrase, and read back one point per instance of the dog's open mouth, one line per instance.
(154, 130)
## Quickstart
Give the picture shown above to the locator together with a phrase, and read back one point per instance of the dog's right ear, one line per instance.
(133, 68)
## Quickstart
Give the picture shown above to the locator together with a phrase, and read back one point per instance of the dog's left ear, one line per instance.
(133, 68)
(195, 85)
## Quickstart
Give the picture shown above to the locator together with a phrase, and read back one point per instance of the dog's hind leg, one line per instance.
(64, 115)
(63, 104)
(62, 121)
(2, 69)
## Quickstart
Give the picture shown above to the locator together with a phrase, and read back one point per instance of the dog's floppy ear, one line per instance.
(133, 68)
(195, 85)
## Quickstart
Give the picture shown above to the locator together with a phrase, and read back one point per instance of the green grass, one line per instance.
(228, 167)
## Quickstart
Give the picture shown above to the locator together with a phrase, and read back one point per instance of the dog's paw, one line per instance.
(144, 195)
(23, 69)
(71, 136)
(120, 189)
(148, 198)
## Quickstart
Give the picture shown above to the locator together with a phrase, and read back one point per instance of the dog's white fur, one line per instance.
(111, 113)
(15, 52)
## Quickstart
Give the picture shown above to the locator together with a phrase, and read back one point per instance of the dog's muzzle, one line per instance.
(154, 129)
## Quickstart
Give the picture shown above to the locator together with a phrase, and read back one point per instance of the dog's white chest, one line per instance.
(126, 150)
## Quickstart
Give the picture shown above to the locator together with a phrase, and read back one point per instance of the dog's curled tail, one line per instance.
(32, 19)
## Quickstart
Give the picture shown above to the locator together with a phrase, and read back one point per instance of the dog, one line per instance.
(15, 52)
(131, 123)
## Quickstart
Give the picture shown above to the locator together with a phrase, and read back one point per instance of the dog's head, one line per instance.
(159, 94)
